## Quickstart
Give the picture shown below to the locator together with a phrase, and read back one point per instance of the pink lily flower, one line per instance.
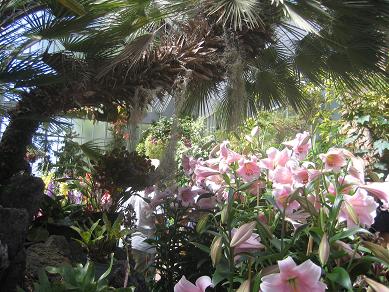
(313, 174)
(293, 278)
(347, 184)
(357, 169)
(282, 175)
(300, 145)
(281, 194)
(206, 203)
(241, 234)
(228, 155)
(159, 197)
(334, 159)
(248, 169)
(256, 187)
(188, 164)
(253, 243)
(184, 285)
(297, 218)
(360, 207)
(300, 176)
(244, 240)
(201, 172)
(315, 200)
(380, 190)
(275, 158)
(187, 194)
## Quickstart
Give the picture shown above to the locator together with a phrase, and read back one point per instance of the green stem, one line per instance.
(231, 249)
(231, 266)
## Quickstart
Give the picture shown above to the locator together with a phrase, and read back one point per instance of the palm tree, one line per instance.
(240, 55)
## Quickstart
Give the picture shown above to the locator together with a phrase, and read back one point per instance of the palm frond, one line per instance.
(236, 13)
(131, 53)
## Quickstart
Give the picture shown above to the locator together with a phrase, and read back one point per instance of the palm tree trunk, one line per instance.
(13, 146)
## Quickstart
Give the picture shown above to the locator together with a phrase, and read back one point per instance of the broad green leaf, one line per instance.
(341, 277)
(107, 272)
(380, 146)
(202, 223)
(347, 233)
(363, 119)
(73, 5)
(379, 251)
(202, 247)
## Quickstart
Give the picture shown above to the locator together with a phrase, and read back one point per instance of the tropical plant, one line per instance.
(78, 278)
(241, 55)
(179, 248)
(122, 174)
(101, 240)
(292, 220)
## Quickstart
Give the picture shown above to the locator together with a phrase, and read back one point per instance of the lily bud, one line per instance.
(351, 212)
(243, 233)
(310, 245)
(324, 249)
(224, 215)
(216, 250)
(378, 287)
(244, 287)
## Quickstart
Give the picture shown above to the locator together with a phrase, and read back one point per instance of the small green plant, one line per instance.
(79, 278)
(100, 240)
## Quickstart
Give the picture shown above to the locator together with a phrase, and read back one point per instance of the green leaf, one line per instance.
(246, 186)
(341, 277)
(202, 223)
(379, 251)
(202, 247)
(380, 146)
(221, 272)
(363, 119)
(74, 6)
(347, 233)
(107, 272)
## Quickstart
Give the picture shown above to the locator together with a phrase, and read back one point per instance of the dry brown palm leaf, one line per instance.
(131, 54)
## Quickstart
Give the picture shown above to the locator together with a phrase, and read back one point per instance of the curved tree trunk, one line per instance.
(17, 136)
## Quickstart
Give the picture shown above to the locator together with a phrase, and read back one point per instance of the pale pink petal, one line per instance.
(309, 268)
(185, 286)
(286, 265)
(283, 175)
(378, 190)
(334, 159)
(357, 169)
(248, 170)
(363, 207)
(283, 157)
(272, 152)
(203, 283)
(274, 283)
(243, 233)
(266, 163)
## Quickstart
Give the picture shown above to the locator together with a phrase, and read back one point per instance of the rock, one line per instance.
(13, 231)
(4, 261)
(54, 252)
(23, 191)
(59, 243)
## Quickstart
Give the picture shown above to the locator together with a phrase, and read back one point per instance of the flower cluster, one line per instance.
(326, 194)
